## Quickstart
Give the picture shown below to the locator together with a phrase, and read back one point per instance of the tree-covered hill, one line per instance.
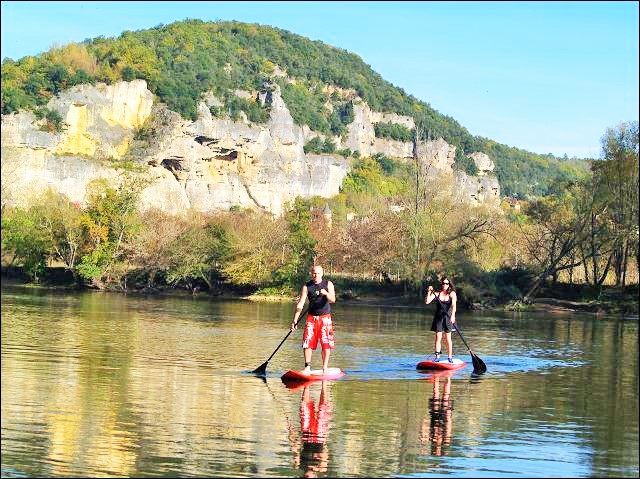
(183, 60)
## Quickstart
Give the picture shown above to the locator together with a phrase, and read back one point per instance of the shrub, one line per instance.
(393, 131)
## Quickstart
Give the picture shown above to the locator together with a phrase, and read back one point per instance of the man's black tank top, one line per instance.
(318, 303)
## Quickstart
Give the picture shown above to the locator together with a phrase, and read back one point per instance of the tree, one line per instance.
(110, 220)
(28, 244)
(618, 174)
(552, 234)
(150, 247)
(595, 250)
(300, 248)
(371, 244)
(257, 246)
(62, 223)
(198, 254)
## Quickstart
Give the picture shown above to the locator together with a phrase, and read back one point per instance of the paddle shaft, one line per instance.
(462, 337)
(479, 366)
(281, 343)
(285, 338)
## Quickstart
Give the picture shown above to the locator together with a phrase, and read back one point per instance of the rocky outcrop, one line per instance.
(483, 163)
(360, 133)
(381, 117)
(393, 148)
(436, 155)
(483, 189)
(208, 164)
(101, 120)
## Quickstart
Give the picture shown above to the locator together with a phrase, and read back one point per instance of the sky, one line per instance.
(548, 77)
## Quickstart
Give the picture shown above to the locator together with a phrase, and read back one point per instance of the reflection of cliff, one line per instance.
(73, 387)
(109, 385)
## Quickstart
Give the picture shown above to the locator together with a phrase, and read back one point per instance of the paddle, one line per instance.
(479, 367)
(262, 369)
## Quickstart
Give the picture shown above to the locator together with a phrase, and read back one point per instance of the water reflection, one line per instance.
(437, 427)
(106, 385)
(310, 449)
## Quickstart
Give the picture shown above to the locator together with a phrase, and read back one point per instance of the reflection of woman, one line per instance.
(440, 415)
(445, 316)
(314, 456)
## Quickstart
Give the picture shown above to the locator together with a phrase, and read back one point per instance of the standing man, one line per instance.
(318, 327)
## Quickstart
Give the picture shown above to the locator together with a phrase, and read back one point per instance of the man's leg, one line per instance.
(309, 343)
(326, 341)
(325, 359)
(307, 361)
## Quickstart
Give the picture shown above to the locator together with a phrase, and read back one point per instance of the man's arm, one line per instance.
(330, 292)
(299, 306)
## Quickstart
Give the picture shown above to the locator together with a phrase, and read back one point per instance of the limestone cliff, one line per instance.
(208, 164)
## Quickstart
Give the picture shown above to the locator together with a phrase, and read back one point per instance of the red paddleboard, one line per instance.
(316, 375)
(442, 364)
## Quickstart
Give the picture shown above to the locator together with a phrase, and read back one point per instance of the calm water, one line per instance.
(109, 385)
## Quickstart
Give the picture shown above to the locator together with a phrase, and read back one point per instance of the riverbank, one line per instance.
(561, 298)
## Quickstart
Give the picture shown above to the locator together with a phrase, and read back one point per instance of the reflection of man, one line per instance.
(314, 455)
(441, 416)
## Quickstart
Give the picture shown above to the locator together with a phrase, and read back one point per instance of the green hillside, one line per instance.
(182, 60)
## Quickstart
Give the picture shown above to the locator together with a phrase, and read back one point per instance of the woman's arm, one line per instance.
(430, 295)
(453, 306)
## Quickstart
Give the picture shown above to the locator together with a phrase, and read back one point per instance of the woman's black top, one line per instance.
(443, 308)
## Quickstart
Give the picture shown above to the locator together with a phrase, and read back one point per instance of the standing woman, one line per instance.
(445, 316)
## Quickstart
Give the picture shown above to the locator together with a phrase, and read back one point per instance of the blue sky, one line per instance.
(548, 77)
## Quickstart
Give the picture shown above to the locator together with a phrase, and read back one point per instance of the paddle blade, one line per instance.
(479, 367)
(261, 370)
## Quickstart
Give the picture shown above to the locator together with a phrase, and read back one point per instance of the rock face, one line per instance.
(483, 163)
(206, 165)
(101, 120)
(360, 133)
(484, 189)
(406, 121)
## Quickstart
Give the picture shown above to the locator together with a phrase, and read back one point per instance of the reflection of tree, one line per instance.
(440, 429)
(310, 452)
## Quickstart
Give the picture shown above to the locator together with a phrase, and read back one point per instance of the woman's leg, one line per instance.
(438, 343)
(449, 343)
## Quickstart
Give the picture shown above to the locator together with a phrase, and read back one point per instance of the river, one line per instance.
(108, 385)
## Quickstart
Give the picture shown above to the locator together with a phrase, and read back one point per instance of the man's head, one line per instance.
(316, 273)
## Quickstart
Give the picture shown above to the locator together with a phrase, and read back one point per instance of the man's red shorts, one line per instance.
(318, 328)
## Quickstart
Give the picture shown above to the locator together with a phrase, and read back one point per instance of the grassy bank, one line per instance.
(472, 295)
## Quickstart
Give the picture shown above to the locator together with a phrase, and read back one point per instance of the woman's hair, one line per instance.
(451, 286)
